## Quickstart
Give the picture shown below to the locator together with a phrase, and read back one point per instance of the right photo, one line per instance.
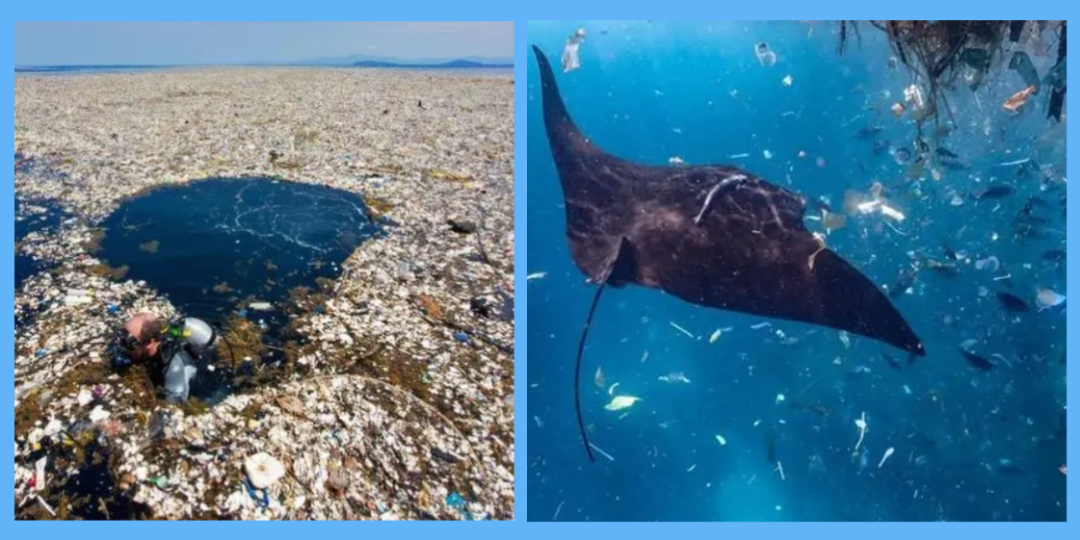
(797, 271)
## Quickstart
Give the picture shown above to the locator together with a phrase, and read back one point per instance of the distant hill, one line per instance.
(453, 64)
(405, 62)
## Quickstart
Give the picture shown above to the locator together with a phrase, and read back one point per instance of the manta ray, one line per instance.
(713, 235)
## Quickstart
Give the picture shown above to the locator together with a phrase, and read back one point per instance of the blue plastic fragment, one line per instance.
(457, 502)
(242, 313)
(461, 336)
(254, 494)
(41, 353)
(113, 309)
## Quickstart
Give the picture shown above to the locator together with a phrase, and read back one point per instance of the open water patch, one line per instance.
(218, 246)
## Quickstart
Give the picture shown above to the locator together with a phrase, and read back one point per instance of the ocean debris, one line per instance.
(570, 60)
(765, 55)
(536, 276)
(1018, 99)
(787, 81)
(674, 377)
(861, 424)
(888, 453)
(598, 379)
(720, 439)
(619, 403)
(601, 452)
(263, 470)
(683, 330)
(719, 331)
(845, 339)
(1047, 298)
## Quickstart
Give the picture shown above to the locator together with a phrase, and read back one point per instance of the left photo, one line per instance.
(264, 279)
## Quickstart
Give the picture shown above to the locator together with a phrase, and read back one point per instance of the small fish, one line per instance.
(868, 132)
(1009, 468)
(1013, 303)
(950, 253)
(904, 281)
(976, 361)
(992, 192)
(946, 153)
(1054, 255)
(816, 408)
(944, 269)
(893, 362)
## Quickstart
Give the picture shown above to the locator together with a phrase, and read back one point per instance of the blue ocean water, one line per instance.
(968, 444)
(212, 244)
(27, 222)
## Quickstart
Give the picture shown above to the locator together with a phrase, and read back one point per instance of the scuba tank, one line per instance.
(186, 341)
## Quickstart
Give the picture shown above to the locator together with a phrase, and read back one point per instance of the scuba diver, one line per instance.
(172, 350)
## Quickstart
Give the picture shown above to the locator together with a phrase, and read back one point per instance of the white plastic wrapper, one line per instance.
(765, 54)
(570, 60)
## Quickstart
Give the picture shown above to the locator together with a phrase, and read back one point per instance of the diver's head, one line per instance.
(140, 340)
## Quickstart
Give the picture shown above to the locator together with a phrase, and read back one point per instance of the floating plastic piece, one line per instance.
(990, 263)
(845, 339)
(861, 424)
(888, 453)
(674, 378)
(683, 330)
(39, 473)
(619, 403)
(1014, 103)
(767, 154)
(780, 398)
(720, 439)
(601, 452)
(536, 276)
(261, 306)
(764, 54)
(898, 109)
(1047, 298)
(263, 470)
(570, 60)
(598, 379)
(457, 502)
(676, 161)
(787, 81)
(914, 97)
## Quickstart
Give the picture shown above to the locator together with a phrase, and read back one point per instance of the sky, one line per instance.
(132, 43)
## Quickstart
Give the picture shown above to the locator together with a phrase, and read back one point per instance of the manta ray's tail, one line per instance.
(577, 373)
